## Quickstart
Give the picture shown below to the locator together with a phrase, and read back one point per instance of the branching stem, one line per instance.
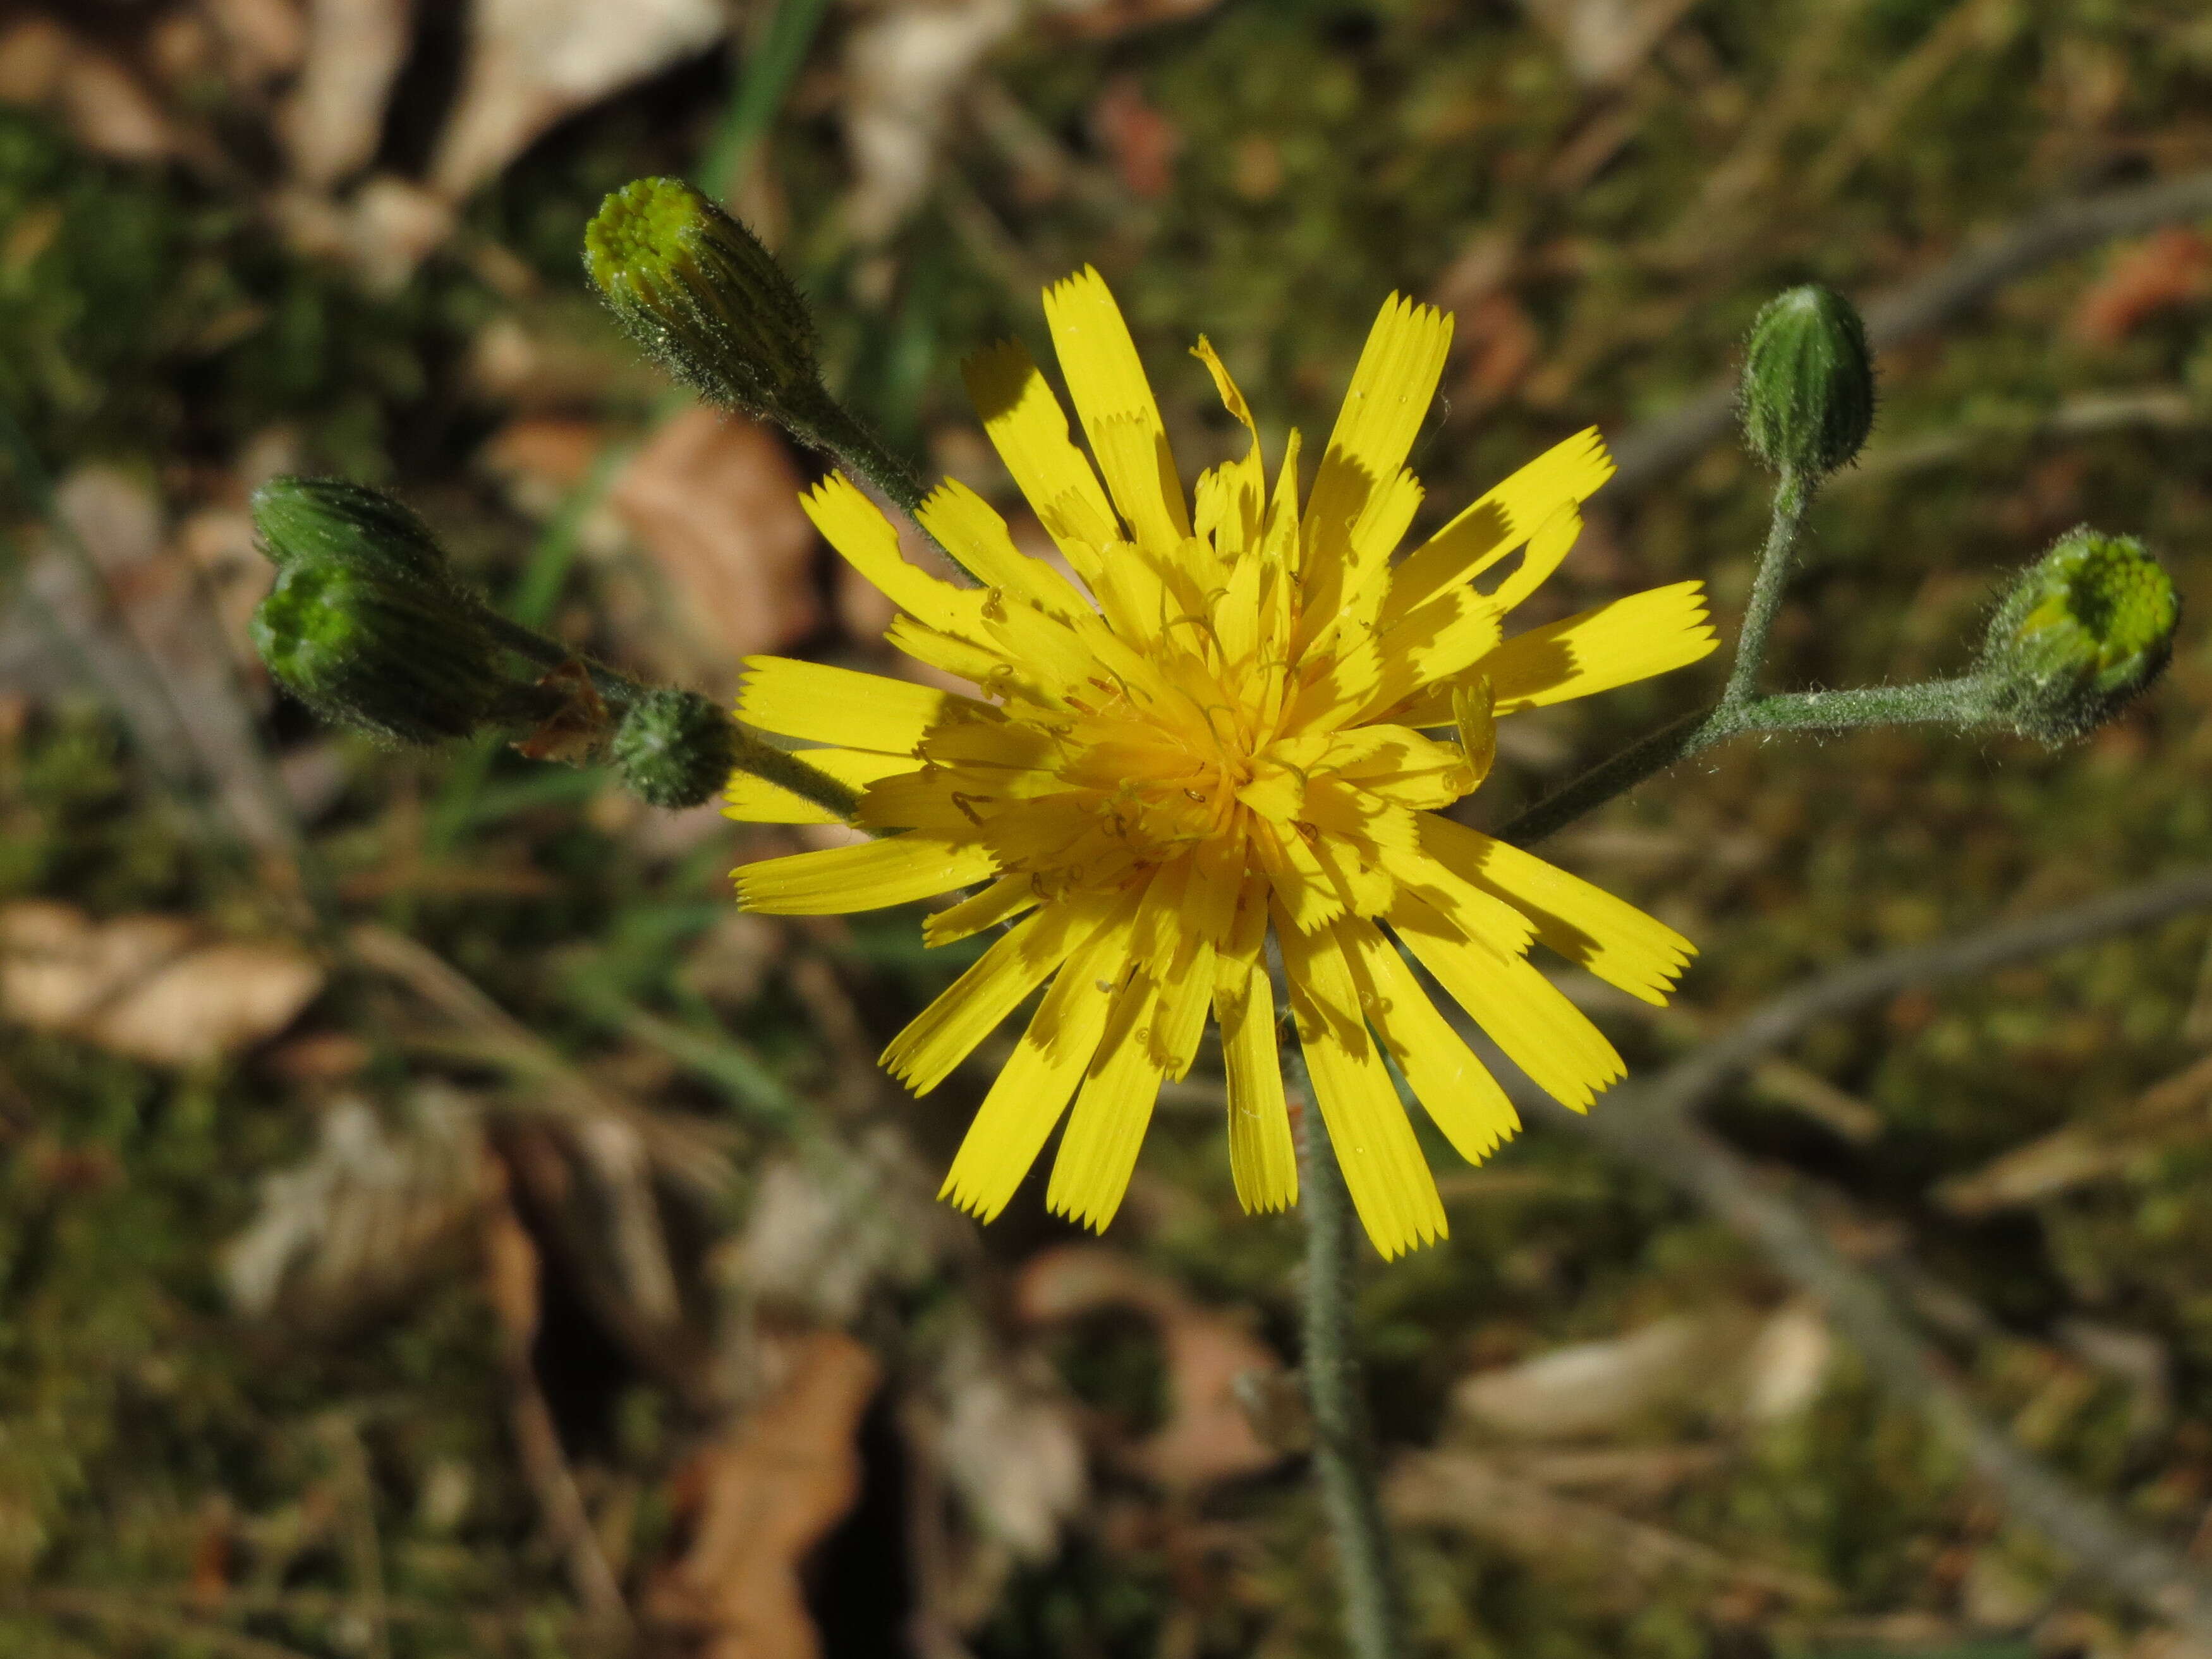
(1966, 702)
(1793, 499)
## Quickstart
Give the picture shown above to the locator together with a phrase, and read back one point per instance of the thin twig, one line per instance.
(513, 1273)
(366, 1549)
(1649, 1126)
(1693, 1079)
(1660, 447)
(498, 1038)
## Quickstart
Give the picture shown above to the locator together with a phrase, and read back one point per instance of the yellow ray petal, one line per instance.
(1501, 521)
(1630, 638)
(1540, 1031)
(1390, 396)
(856, 527)
(976, 535)
(1462, 1097)
(1309, 896)
(1106, 378)
(1429, 647)
(839, 706)
(756, 800)
(964, 660)
(896, 870)
(1232, 497)
(1587, 925)
(1438, 643)
(1389, 1180)
(1002, 901)
(968, 1010)
(1017, 1117)
(1030, 431)
(1098, 1152)
(1263, 1160)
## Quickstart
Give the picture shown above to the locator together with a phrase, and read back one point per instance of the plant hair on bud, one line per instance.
(1808, 397)
(2084, 630)
(704, 298)
(674, 748)
(367, 624)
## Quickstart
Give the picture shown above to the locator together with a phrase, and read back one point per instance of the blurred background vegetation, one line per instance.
(433, 1223)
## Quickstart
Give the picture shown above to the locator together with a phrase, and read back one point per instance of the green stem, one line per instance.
(1964, 702)
(1793, 499)
(822, 423)
(1344, 1450)
(619, 689)
(764, 761)
(789, 771)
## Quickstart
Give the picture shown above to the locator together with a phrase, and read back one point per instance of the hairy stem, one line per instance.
(1962, 702)
(788, 771)
(1793, 498)
(619, 689)
(822, 423)
(764, 761)
(1344, 1451)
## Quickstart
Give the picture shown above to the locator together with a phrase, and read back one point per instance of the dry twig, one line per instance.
(1650, 1125)
(1661, 446)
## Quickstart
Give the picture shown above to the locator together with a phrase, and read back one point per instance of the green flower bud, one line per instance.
(329, 518)
(2085, 630)
(366, 625)
(704, 297)
(1808, 397)
(674, 748)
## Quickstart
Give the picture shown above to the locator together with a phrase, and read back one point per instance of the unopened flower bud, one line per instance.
(2086, 627)
(1808, 398)
(704, 297)
(674, 748)
(365, 624)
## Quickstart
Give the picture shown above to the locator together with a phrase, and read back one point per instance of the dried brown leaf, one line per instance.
(1208, 1435)
(713, 499)
(334, 119)
(532, 62)
(764, 1494)
(2056, 1163)
(905, 70)
(362, 1218)
(1010, 1443)
(1141, 140)
(109, 111)
(1591, 1388)
(1555, 1533)
(265, 38)
(141, 622)
(33, 51)
(1100, 19)
(146, 986)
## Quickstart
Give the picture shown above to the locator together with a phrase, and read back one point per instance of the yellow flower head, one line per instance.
(1240, 718)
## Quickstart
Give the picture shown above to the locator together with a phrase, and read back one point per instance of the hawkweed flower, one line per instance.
(1241, 719)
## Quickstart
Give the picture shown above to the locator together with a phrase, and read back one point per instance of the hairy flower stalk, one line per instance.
(710, 305)
(1240, 719)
